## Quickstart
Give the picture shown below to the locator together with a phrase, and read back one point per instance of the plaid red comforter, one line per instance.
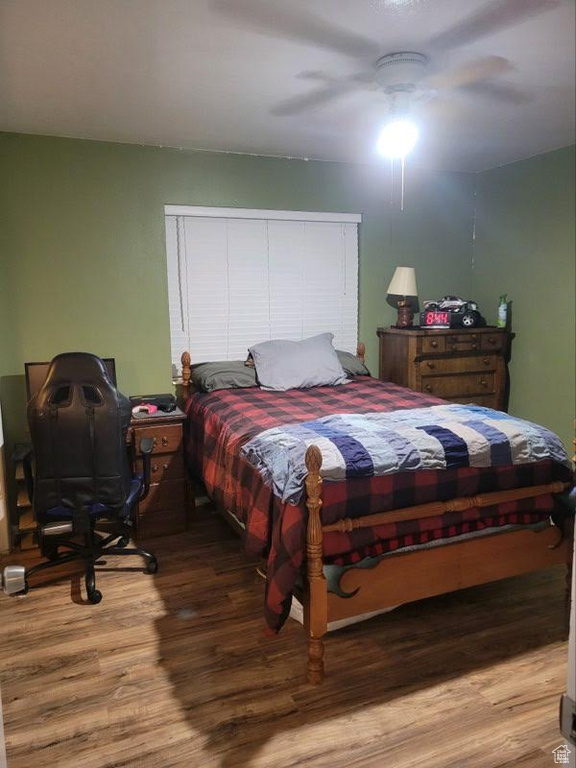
(219, 423)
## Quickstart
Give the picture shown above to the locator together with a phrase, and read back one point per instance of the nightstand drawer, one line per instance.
(167, 438)
(458, 386)
(170, 494)
(167, 467)
(468, 364)
(493, 341)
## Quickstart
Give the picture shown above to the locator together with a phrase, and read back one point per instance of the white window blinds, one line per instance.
(235, 280)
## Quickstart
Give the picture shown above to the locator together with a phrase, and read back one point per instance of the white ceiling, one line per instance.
(191, 73)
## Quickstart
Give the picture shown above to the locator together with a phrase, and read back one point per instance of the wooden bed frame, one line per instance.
(408, 576)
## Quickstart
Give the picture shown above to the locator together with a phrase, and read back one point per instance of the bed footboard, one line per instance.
(406, 577)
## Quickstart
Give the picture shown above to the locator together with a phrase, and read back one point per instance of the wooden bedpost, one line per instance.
(361, 351)
(316, 618)
(186, 372)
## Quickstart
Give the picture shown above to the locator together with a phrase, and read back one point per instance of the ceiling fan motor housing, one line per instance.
(400, 72)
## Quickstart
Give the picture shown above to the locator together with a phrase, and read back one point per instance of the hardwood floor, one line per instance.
(175, 670)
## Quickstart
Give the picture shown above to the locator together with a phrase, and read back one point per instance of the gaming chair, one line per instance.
(78, 425)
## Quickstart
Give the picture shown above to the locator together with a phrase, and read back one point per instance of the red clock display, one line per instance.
(435, 318)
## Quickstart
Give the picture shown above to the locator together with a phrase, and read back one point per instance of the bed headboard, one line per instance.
(186, 372)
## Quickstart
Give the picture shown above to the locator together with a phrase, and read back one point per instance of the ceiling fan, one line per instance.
(406, 77)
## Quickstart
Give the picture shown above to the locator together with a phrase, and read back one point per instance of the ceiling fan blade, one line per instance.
(313, 100)
(443, 109)
(472, 72)
(493, 17)
(283, 21)
(502, 92)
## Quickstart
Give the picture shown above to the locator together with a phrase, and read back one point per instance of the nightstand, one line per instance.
(165, 509)
(463, 366)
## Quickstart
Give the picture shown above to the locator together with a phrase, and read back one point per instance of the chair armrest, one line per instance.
(22, 454)
(146, 448)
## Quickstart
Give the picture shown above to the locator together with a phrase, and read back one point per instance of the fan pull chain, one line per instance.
(402, 181)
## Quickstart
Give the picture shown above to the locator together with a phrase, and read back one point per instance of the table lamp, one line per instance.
(403, 295)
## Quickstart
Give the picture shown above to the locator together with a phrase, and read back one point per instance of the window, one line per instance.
(237, 277)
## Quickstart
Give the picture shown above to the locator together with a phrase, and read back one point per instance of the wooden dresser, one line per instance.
(464, 366)
(165, 509)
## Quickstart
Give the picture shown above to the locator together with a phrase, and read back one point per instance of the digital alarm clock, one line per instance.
(433, 318)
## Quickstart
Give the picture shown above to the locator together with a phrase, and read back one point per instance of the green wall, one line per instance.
(84, 238)
(83, 263)
(525, 247)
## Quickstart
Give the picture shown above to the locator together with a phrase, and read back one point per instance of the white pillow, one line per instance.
(281, 364)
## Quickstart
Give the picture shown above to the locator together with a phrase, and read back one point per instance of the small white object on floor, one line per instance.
(297, 613)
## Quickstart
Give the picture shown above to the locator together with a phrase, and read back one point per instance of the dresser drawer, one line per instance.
(493, 341)
(458, 386)
(466, 364)
(167, 438)
(167, 467)
(170, 494)
(432, 345)
(463, 342)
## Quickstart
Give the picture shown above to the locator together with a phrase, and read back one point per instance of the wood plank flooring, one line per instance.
(174, 670)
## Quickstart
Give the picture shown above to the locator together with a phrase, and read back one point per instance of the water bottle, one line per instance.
(502, 311)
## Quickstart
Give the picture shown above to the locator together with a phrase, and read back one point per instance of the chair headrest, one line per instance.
(72, 370)
(72, 367)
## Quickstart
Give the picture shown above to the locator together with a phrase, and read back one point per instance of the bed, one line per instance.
(362, 544)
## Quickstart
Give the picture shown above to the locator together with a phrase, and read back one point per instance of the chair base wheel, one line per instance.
(152, 566)
(95, 597)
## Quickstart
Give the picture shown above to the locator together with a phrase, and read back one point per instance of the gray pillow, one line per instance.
(227, 374)
(352, 365)
(282, 364)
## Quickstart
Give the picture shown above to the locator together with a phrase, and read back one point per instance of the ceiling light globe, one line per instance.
(397, 139)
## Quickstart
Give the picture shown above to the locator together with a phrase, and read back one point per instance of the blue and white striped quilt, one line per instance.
(361, 445)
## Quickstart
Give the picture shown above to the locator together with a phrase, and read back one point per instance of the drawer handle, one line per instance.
(165, 466)
(474, 346)
(434, 343)
(154, 467)
(486, 361)
(491, 340)
(164, 440)
(431, 365)
(428, 388)
(155, 441)
(483, 382)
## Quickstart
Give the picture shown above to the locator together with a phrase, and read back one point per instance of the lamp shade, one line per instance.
(403, 282)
